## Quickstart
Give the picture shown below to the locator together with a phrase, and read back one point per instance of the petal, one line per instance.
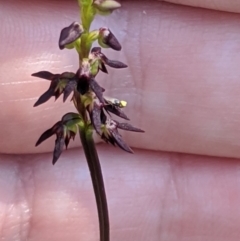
(95, 115)
(45, 97)
(128, 127)
(59, 145)
(48, 133)
(44, 75)
(108, 139)
(71, 85)
(83, 85)
(67, 75)
(67, 140)
(119, 141)
(57, 93)
(103, 117)
(115, 110)
(70, 117)
(103, 68)
(70, 135)
(96, 50)
(115, 64)
(112, 63)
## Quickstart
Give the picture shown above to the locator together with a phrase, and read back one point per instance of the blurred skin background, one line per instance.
(182, 87)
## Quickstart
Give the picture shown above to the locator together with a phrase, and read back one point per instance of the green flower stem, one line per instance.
(94, 168)
(85, 46)
(97, 181)
(80, 107)
(87, 14)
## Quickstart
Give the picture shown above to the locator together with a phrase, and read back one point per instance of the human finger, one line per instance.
(151, 195)
(182, 92)
(220, 5)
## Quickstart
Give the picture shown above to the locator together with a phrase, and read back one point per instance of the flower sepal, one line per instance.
(111, 135)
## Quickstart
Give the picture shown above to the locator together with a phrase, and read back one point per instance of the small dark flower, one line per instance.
(108, 128)
(103, 60)
(70, 34)
(86, 80)
(64, 130)
(110, 134)
(97, 111)
(103, 68)
(106, 39)
(96, 62)
(60, 83)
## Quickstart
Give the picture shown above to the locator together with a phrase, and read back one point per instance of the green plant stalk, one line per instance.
(86, 137)
(94, 166)
(87, 15)
(97, 181)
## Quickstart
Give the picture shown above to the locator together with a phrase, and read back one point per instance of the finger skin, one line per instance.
(151, 195)
(182, 84)
(221, 5)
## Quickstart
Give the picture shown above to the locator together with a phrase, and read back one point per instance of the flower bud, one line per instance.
(99, 60)
(70, 34)
(106, 39)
